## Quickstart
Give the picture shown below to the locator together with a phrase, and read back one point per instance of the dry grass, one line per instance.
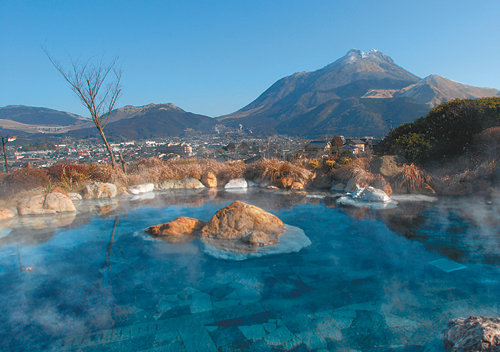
(412, 179)
(273, 170)
(23, 180)
(354, 170)
(156, 170)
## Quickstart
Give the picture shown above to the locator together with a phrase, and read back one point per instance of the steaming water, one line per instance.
(359, 285)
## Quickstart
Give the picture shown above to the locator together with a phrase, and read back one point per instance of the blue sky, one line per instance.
(213, 57)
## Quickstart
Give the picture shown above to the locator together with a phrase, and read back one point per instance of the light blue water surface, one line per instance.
(358, 286)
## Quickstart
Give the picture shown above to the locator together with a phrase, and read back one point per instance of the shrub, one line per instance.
(354, 170)
(273, 170)
(330, 163)
(445, 132)
(315, 164)
(24, 180)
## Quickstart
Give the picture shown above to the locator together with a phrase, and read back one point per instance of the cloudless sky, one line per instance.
(214, 57)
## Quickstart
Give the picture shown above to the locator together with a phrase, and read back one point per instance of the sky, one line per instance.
(214, 57)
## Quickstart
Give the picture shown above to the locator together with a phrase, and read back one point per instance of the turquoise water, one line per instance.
(371, 280)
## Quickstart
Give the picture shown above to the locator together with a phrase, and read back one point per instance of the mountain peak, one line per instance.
(354, 55)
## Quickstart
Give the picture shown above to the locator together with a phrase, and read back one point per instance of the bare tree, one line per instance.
(97, 85)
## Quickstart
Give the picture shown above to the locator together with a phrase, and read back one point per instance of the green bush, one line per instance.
(445, 132)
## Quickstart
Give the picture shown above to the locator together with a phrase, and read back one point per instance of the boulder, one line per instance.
(236, 183)
(351, 185)
(241, 221)
(209, 179)
(321, 182)
(144, 188)
(75, 196)
(99, 190)
(51, 203)
(185, 183)
(473, 334)
(32, 206)
(6, 214)
(387, 165)
(181, 230)
(59, 202)
(370, 194)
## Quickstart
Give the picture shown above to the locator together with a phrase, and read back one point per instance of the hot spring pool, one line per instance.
(377, 280)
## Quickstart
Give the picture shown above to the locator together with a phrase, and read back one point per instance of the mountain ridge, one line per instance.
(340, 98)
(361, 93)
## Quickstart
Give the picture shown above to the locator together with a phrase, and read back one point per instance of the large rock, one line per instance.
(6, 214)
(370, 194)
(244, 223)
(144, 188)
(185, 183)
(99, 190)
(59, 202)
(387, 165)
(473, 334)
(75, 196)
(51, 203)
(237, 183)
(181, 230)
(209, 179)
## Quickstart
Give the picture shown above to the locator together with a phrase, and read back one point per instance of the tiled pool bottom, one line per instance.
(359, 286)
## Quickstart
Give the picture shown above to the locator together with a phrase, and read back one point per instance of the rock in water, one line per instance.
(243, 227)
(182, 226)
(473, 334)
(99, 190)
(75, 196)
(368, 197)
(370, 194)
(52, 203)
(144, 188)
(209, 179)
(6, 214)
(59, 202)
(293, 240)
(185, 183)
(237, 183)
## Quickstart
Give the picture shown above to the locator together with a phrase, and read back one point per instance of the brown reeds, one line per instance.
(273, 170)
(354, 171)
(412, 179)
(23, 180)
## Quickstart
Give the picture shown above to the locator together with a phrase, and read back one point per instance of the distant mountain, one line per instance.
(150, 121)
(434, 90)
(30, 115)
(362, 93)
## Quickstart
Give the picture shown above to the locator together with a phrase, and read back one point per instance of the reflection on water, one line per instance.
(385, 278)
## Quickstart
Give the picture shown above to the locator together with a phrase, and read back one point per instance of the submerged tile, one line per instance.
(312, 339)
(200, 302)
(253, 332)
(447, 265)
(279, 336)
